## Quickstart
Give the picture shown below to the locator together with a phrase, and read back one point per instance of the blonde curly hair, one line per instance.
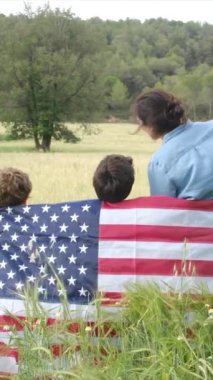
(15, 187)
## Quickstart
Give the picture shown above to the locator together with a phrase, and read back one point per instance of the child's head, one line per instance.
(113, 178)
(15, 187)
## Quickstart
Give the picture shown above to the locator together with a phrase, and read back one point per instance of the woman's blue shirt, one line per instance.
(183, 165)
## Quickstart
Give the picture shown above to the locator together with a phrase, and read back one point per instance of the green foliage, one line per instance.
(195, 89)
(158, 336)
(56, 68)
(116, 95)
(52, 73)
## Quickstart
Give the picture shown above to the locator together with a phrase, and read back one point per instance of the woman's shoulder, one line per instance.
(204, 123)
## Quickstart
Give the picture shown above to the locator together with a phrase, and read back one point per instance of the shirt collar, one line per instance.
(176, 131)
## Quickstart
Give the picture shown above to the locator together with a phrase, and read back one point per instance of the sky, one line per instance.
(183, 10)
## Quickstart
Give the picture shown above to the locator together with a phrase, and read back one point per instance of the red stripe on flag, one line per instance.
(156, 233)
(72, 327)
(156, 267)
(111, 298)
(161, 202)
(11, 352)
(6, 321)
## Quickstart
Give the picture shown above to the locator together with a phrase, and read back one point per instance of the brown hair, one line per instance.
(160, 110)
(113, 178)
(15, 187)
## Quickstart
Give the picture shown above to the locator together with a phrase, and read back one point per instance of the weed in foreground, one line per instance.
(153, 336)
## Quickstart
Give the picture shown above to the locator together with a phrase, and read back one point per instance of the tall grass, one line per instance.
(158, 337)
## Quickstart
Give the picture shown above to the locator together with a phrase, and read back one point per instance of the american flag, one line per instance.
(91, 247)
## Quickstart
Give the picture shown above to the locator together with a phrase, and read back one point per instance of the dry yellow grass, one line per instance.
(66, 172)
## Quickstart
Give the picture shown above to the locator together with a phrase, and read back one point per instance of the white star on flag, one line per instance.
(74, 217)
(35, 218)
(22, 267)
(72, 259)
(6, 227)
(18, 218)
(53, 239)
(24, 228)
(3, 264)
(31, 278)
(83, 249)
(45, 208)
(51, 259)
(73, 238)
(65, 208)
(32, 258)
(84, 227)
(14, 237)
(62, 248)
(71, 280)
(42, 269)
(82, 270)
(33, 238)
(83, 292)
(63, 228)
(41, 290)
(51, 280)
(14, 257)
(5, 247)
(54, 218)
(42, 248)
(61, 270)
(43, 228)
(10, 274)
(85, 208)
(26, 209)
(23, 247)
(19, 285)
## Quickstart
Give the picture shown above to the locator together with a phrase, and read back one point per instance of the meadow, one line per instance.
(158, 337)
(66, 172)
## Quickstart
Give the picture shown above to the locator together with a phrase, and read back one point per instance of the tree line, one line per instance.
(57, 68)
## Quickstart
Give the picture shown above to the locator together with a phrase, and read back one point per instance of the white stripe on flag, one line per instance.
(118, 283)
(87, 312)
(155, 250)
(8, 365)
(154, 217)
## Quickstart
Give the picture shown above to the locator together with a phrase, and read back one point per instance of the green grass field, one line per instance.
(66, 172)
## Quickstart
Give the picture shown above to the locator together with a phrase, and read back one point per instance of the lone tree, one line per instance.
(51, 72)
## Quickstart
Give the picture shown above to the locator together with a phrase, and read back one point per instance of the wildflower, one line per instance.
(180, 337)
(6, 327)
(88, 329)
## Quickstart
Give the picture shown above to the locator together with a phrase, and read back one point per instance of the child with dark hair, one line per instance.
(15, 187)
(113, 178)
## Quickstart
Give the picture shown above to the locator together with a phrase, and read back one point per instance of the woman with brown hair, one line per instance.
(183, 165)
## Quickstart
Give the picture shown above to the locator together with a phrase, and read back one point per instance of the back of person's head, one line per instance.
(15, 187)
(113, 178)
(160, 110)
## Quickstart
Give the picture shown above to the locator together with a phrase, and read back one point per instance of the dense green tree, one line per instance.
(52, 72)
(116, 96)
(57, 68)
